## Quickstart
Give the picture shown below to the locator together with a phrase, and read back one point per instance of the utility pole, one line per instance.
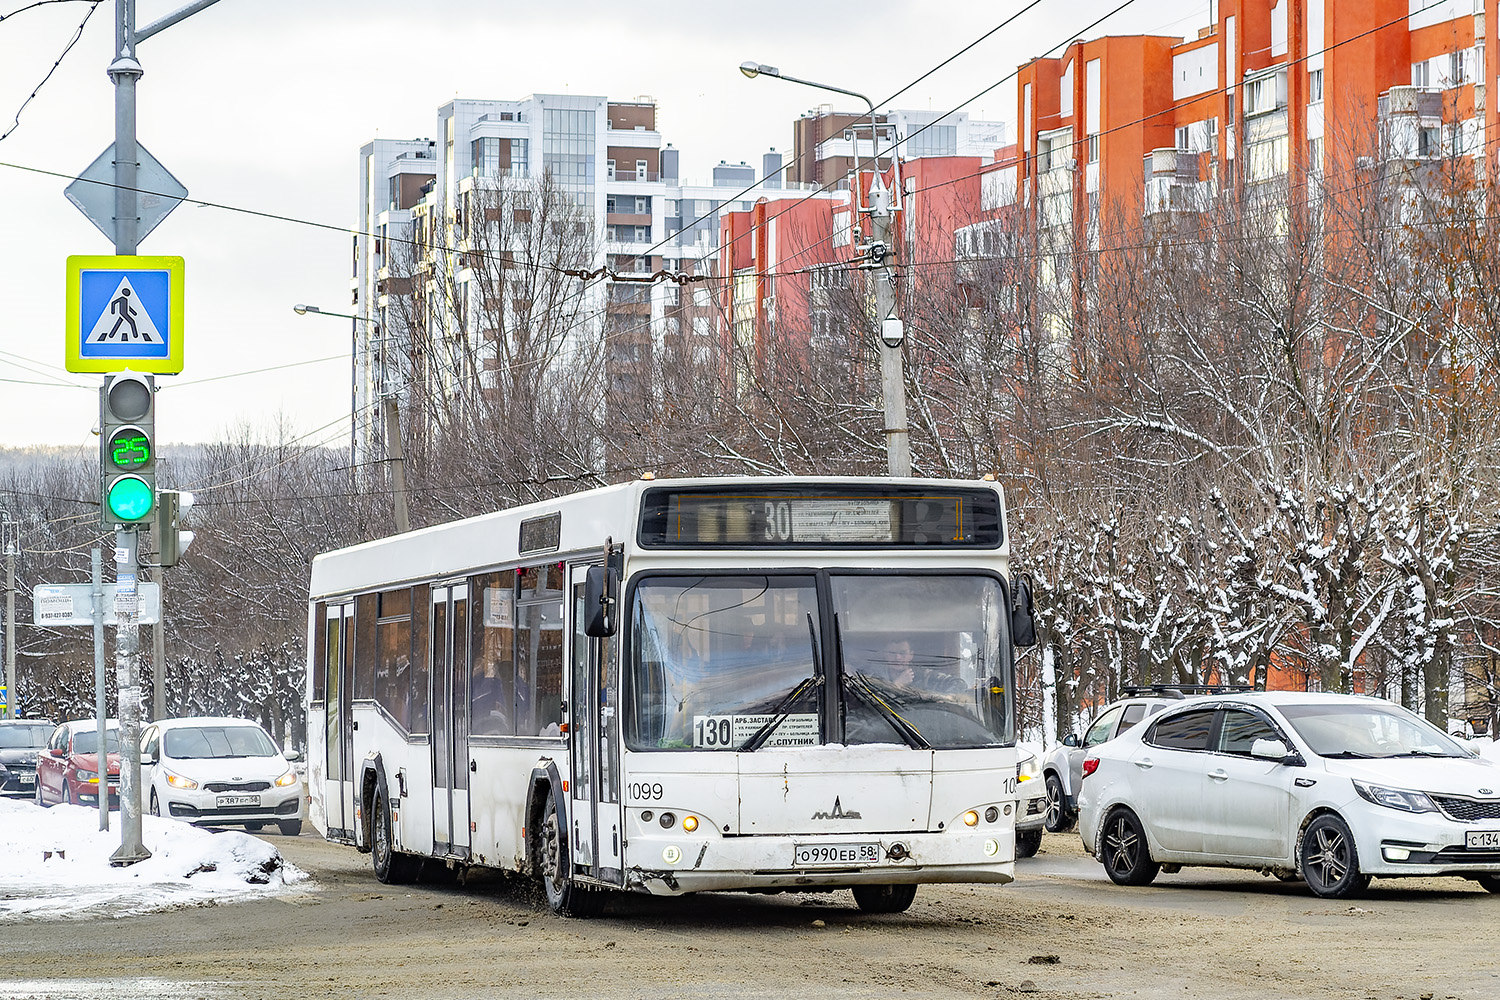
(101, 706)
(9, 530)
(124, 71)
(878, 253)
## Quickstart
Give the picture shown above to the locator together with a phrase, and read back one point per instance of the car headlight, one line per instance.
(82, 775)
(178, 781)
(1026, 768)
(290, 778)
(1395, 798)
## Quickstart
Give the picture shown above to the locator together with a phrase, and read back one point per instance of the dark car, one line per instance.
(68, 770)
(20, 742)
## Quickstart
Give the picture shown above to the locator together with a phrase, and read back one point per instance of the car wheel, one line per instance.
(1329, 863)
(41, 803)
(1490, 882)
(1028, 842)
(551, 863)
(392, 867)
(155, 807)
(255, 827)
(67, 793)
(292, 828)
(1124, 851)
(884, 898)
(1060, 818)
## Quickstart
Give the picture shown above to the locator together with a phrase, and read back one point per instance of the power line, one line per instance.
(77, 34)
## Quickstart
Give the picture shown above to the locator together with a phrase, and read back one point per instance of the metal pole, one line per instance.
(101, 706)
(892, 363)
(128, 696)
(398, 463)
(11, 697)
(159, 652)
(125, 71)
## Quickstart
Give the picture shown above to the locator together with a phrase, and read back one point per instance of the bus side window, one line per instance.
(366, 610)
(492, 680)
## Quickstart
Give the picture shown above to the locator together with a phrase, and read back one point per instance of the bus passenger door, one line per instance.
(338, 774)
(449, 720)
(594, 812)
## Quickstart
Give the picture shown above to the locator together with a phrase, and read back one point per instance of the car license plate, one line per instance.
(26, 779)
(230, 801)
(1482, 840)
(834, 854)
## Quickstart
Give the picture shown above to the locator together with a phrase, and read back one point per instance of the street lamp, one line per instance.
(892, 375)
(388, 399)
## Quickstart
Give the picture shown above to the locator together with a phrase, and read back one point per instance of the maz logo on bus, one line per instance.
(644, 790)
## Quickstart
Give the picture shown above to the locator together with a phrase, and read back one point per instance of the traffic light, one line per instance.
(171, 541)
(127, 449)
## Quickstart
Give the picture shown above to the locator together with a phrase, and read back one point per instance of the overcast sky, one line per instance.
(263, 105)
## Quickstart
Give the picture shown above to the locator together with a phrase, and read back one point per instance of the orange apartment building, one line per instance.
(1115, 132)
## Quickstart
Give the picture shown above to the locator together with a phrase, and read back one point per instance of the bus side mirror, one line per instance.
(601, 589)
(1022, 615)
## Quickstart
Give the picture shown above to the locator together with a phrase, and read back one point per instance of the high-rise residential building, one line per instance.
(438, 217)
(828, 145)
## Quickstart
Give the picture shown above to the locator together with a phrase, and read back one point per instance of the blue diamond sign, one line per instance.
(125, 313)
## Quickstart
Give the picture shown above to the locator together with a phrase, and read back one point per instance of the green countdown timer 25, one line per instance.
(129, 448)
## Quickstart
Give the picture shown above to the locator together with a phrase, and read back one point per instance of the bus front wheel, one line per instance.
(884, 898)
(392, 867)
(564, 897)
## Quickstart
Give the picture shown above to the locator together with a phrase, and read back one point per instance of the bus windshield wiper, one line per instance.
(779, 713)
(867, 694)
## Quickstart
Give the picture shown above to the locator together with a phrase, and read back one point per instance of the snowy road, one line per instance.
(1060, 932)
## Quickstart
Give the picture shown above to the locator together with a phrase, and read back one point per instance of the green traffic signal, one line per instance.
(129, 498)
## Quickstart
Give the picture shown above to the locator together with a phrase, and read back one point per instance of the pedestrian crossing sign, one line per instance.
(124, 313)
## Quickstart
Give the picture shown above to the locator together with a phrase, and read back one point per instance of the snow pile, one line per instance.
(54, 864)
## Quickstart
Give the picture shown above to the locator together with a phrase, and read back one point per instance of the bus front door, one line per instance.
(450, 720)
(338, 775)
(594, 806)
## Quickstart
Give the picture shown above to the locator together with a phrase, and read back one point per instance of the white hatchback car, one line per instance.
(1332, 788)
(218, 772)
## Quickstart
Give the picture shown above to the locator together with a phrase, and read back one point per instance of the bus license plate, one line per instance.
(1482, 840)
(230, 801)
(804, 855)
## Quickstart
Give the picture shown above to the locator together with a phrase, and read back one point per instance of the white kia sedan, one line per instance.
(1332, 788)
(220, 772)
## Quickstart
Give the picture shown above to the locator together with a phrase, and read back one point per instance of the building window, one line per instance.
(640, 170)
(1184, 138)
(1421, 75)
(1093, 149)
(1315, 154)
(642, 206)
(609, 169)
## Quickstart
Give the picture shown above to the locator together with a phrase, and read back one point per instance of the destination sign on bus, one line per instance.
(726, 732)
(823, 517)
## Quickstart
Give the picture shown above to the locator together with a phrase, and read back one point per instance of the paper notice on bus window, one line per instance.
(838, 521)
(725, 732)
(498, 611)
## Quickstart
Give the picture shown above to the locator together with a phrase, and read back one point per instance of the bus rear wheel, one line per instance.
(884, 898)
(564, 897)
(391, 866)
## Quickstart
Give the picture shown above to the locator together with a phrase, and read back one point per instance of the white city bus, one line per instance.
(674, 686)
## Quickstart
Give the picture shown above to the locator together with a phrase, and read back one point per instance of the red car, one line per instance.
(68, 770)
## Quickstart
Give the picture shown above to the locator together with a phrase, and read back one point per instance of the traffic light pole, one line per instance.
(128, 687)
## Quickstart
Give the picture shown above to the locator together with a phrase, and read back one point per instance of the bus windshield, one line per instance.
(739, 662)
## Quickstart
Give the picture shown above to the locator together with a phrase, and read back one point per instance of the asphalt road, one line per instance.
(1060, 931)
